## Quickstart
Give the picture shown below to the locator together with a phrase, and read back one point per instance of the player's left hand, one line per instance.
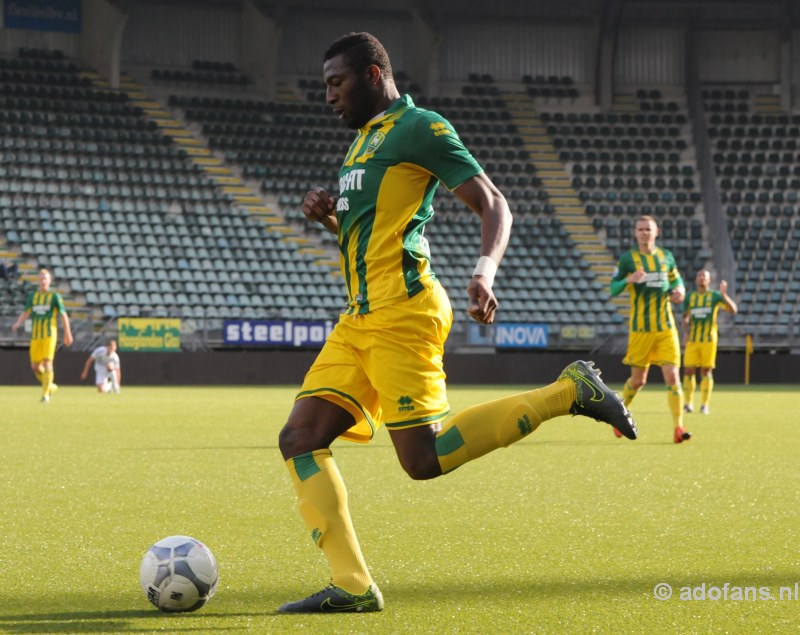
(482, 302)
(723, 286)
(68, 339)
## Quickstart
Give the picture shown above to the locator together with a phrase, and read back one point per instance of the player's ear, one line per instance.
(373, 74)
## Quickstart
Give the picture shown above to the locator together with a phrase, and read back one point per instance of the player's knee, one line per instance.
(288, 440)
(421, 468)
(638, 384)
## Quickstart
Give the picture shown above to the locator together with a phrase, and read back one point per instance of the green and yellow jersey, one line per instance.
(651, 310)
(386, 187)
(44, 307)
(703, 309)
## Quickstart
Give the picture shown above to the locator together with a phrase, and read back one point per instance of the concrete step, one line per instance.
(222, 179)
(198, 153)
(177, 132)
(244, 198)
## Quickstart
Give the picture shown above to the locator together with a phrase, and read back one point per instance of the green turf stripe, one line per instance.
(449, 442)
(305, 465)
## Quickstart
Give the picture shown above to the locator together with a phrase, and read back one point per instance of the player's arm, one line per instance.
(677, 290)
(623, 276)
(20, 320)
(67, 329)
(85, 371)
(482, 197)
(320, 206)
(685, 322)
(730, 306)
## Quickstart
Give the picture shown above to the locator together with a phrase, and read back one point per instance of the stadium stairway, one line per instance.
(556, 183)
(215, 168)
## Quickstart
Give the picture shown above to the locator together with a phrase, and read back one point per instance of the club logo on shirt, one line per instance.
(439, 128)
(377, 139)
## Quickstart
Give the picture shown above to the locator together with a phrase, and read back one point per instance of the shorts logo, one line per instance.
(406, 404)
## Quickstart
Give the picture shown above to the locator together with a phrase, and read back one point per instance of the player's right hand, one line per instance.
(637, 276)
(318, 205)
(482, 301)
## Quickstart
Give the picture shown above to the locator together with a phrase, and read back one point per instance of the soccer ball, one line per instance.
(179, 574)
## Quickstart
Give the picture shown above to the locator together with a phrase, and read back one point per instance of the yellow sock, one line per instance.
(480, 429)
(706, 386)
(323, 506)
(675, 401)
(628, 393)
(47, 381)
(689, 384)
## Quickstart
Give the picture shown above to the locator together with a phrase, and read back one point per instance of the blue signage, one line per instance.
(514, 335)
(276, 333)
(63, 16)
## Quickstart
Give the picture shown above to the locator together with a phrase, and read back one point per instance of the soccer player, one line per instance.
(107, 368)
(382, 363)
(651, 277)
(43, 306)
(700, 310)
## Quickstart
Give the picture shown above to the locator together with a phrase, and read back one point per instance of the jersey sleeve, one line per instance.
(439, 150)
(29, 302)
(58, 303)
(621, 271)
(674, 275)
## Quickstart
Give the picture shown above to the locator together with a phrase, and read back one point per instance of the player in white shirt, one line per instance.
(107, 369)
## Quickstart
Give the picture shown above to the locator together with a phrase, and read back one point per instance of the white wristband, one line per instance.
(486, 267)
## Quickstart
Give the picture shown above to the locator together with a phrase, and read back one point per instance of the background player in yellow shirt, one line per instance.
(652, 279)
(382, 363)
(43, 306)
(701, 332)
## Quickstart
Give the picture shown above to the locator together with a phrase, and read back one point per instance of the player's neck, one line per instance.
(647, 249)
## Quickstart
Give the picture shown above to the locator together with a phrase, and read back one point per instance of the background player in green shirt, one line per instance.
(382, 363)
(43, 306)
(700, 311)
(651, 277)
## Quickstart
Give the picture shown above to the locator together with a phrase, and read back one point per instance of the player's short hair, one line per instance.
(361, 50)
(47, 271)
(645, 217)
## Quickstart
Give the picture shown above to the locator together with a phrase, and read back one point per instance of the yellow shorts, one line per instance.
(661, 348)
(386, 366)
(700, 355)
(41, 350)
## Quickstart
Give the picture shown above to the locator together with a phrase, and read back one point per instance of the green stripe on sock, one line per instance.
(305, 465)
(449, 442)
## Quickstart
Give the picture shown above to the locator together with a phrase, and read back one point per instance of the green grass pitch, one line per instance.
(567, 531)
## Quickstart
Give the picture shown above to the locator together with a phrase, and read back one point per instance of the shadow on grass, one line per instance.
(123, 621)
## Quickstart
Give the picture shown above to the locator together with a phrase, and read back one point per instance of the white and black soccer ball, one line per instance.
(179, 574)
